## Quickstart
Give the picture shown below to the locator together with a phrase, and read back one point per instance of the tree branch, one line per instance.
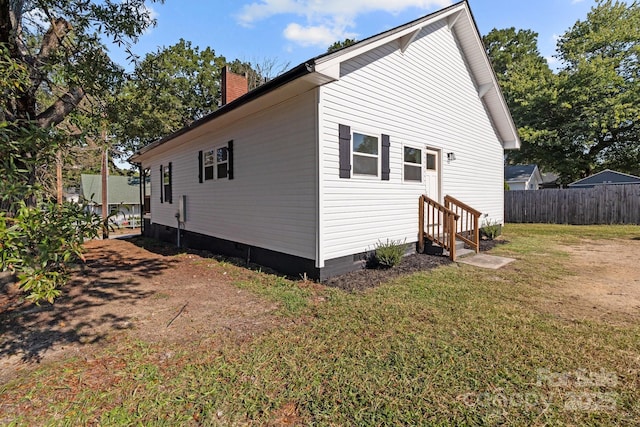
(53, 38)
(59, 109)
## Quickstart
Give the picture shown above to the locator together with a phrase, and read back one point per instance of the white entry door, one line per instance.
(432, 175)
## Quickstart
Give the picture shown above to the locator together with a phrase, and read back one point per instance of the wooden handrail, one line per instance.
(435, 223)
(467, 229)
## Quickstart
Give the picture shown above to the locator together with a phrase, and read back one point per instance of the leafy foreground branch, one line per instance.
(39, 244)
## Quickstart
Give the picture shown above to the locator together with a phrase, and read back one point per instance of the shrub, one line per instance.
(491, 229)
(389, 254)
(38, 244)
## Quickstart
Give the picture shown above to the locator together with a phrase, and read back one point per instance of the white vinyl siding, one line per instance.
(422, 98)
(271, 202)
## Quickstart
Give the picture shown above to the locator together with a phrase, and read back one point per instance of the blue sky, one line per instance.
(293, 31)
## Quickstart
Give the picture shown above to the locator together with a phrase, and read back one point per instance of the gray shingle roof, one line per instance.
(606, 176)
(518, 172)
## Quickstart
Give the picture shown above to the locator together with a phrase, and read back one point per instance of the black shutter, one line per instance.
(161, 183)
(345, 151)
(230, 159)
(200, 166)
(385, 157)
(169, 195)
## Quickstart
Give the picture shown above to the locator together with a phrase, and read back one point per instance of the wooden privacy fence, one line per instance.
(604, 204)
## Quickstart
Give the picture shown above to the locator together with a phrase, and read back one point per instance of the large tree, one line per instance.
(56, 53)
(52, 60)
(529, 87)
(175, 86)
(585, 117)
(169, 89)
(599, 89)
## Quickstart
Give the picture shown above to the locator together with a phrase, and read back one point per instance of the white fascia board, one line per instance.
(498, 108)
(511, 145)
(451, 21)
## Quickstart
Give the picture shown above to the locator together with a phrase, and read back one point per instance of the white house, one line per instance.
(308, 172)
(523, 177)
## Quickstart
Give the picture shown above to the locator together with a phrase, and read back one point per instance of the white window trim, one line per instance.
(377, 135)
(215, 163)
(205, 166)
(226, 162)
(438, 162)
(422, 166)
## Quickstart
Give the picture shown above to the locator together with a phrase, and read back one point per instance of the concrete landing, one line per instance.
(486, 261)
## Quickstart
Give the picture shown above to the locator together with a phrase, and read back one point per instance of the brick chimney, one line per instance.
(233, 86)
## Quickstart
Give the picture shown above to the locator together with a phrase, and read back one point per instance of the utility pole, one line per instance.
(105, 187)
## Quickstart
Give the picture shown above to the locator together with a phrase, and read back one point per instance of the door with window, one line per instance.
(432, 174)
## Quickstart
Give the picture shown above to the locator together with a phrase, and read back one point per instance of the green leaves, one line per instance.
(169, 89)
(55, 78)
(37, 244)
(586, 116)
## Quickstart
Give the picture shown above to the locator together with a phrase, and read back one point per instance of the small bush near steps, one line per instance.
(389, 254)
(491, 229)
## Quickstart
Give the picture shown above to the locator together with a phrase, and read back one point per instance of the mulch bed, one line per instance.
(372, 277)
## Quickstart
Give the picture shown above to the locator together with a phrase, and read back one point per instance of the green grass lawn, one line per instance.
(457, 345)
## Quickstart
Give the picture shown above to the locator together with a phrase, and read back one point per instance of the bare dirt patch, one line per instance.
(605, 281)
(154, 295)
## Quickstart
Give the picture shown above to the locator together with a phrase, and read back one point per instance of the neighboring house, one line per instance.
(523, 177)
(310, 171)
(550, 180)
(605, 177)
(123, 195)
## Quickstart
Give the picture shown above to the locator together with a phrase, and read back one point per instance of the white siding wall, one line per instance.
(518, 185)
(424, 97)
(271, 202)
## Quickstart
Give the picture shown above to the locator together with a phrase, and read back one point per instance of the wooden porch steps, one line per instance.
(446, 228)
(432, 248)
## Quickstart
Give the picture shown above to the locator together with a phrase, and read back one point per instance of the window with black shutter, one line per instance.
(217, 163)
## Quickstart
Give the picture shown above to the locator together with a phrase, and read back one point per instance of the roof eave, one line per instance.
(289, 76)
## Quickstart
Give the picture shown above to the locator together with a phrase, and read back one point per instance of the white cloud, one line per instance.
(576, 1)
(315, 35)
(325, 21)
(153, 15)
